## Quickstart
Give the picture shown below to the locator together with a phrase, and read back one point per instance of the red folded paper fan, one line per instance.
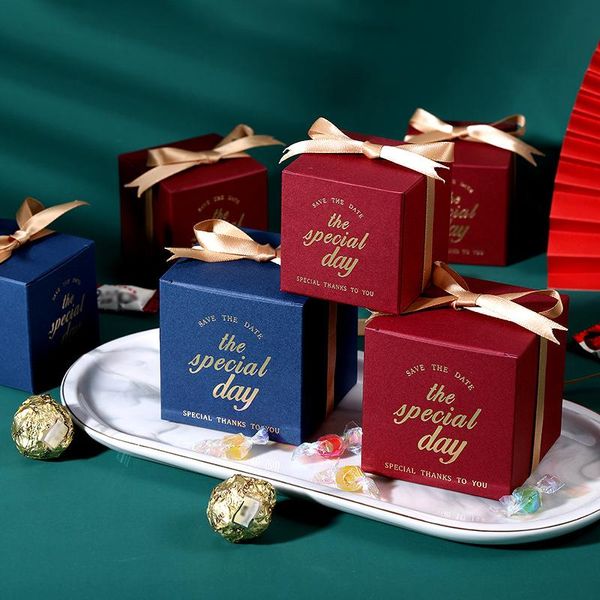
(574, 242)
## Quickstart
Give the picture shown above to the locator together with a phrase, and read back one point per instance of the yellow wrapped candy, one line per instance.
(234, 447)
(349, 478)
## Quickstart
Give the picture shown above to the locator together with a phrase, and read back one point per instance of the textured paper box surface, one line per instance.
(233, 189)
(237, 353)
(450, 398)
(48, 313)
(482, 193)
(353, 229)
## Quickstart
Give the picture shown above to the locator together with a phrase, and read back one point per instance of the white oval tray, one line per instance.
(113, 392)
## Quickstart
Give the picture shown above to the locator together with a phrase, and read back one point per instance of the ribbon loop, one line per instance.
(326, 138)
(220, 241)
(167, 161)
(32, 219)
(502, 134)
(501, 306)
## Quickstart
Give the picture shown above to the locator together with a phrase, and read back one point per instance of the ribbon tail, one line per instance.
(529, 153)
(554, 311)
(504, 140)
(246, 143)
(294, 150)
(157, 174)
(6, 253)
(323, 145)
(429, 137)
(501, 308)
(412, 160)
(203, 255)
(525, 150)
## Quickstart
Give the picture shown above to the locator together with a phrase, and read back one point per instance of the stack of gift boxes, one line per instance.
(462, 378)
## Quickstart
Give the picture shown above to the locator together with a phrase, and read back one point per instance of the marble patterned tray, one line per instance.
(113, 393)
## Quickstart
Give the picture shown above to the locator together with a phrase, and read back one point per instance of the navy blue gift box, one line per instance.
(236, 353)
(48, 312)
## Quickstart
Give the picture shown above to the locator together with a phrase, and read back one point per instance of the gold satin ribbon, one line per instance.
(32, 219)
(220, 241)
(168, 161)
(326, 138)
(539, 405)
(500, 306)
(435, 130)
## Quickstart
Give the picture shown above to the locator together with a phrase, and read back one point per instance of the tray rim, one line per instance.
(354, 504)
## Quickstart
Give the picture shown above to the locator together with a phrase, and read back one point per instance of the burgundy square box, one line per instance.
(232, 189)
(354, 230)
(497, 211)
(460, 400)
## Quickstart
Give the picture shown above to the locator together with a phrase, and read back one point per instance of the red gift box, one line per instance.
(461, 400)
(493, 194)
(359, 231)
(234, 190)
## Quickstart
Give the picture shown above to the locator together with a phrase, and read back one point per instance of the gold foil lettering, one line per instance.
(443, 445)
(241, 395)
(66, 319)
(339, 238)
(458, 230)
(449, 448)
(344, 264)
(236, 393)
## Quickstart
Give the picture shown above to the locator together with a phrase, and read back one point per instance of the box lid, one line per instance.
(35, 259)
(466, 329)
(193, 177)
(240, 277)
(356, 169)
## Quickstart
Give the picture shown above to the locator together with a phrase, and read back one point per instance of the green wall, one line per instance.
(83, 81)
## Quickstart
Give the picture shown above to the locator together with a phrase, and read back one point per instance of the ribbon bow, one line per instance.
(436, 130)
(500, 306)
(167, 161)
(220, 241)
(326, 138)
(32, 219)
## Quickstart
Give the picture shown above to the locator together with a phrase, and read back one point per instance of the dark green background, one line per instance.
(81, 82)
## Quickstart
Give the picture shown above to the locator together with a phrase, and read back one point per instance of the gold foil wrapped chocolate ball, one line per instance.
(42, 428)
(240, 507)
